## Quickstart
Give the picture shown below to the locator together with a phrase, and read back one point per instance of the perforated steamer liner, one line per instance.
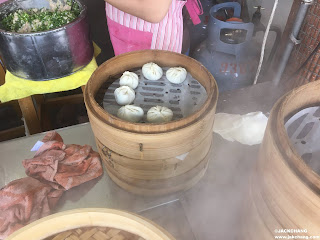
(183, 99)
(304, 132)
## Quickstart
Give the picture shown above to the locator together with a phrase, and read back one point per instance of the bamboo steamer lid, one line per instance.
(95, 223)
(284, 190)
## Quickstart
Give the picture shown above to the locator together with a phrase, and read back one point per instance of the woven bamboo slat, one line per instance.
(284, 191)
(95, 233)
(92, 224)
(142, 157)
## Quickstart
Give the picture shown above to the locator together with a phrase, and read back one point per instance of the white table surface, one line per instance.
(208, 211)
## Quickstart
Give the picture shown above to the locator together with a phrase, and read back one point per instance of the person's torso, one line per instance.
(166, 35)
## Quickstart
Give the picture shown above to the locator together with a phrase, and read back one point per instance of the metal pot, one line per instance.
(49, 54)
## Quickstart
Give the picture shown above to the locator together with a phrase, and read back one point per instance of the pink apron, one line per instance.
(129, 33)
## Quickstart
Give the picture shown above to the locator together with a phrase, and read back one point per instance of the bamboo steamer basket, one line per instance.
(141, 156)
(284, 191)
(95, 223)
(182, 177)
(157, 169)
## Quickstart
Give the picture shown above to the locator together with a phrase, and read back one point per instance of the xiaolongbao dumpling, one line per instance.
(159, 114)
(124, 95)
(130, 113)
(176, 75)
(152, 71)
(129, 79)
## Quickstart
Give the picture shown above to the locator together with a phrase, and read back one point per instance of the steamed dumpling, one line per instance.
(159, 114)
(176, 75)
(124, 95)
(152, 71)
(129, 79)
(130, 113)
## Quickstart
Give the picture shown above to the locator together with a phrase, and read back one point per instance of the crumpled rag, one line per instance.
(23, 201)
(56, 167)
(63, 166)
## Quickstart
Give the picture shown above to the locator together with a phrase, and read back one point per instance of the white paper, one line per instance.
(182, 156)
(37, 146)
(247, 129)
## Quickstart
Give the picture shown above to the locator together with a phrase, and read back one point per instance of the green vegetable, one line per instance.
(36, 20)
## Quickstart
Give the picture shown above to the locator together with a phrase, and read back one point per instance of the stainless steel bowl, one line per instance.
(49, 54)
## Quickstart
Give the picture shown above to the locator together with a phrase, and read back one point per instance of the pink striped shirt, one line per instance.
(166, 35)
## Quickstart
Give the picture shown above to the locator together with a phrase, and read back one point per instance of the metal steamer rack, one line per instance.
(304, 132)
(183, 99)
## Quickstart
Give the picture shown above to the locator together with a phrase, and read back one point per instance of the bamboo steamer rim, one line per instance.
(299, 98)
(94, 84)
(86, 217)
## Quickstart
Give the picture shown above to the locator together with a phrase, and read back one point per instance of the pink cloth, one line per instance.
(166, 35)
(135, 39)
(23, 201)
(55, 167)
(63, 166)
(2, 1)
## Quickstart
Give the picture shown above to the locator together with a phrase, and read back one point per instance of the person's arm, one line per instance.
(149, 10)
